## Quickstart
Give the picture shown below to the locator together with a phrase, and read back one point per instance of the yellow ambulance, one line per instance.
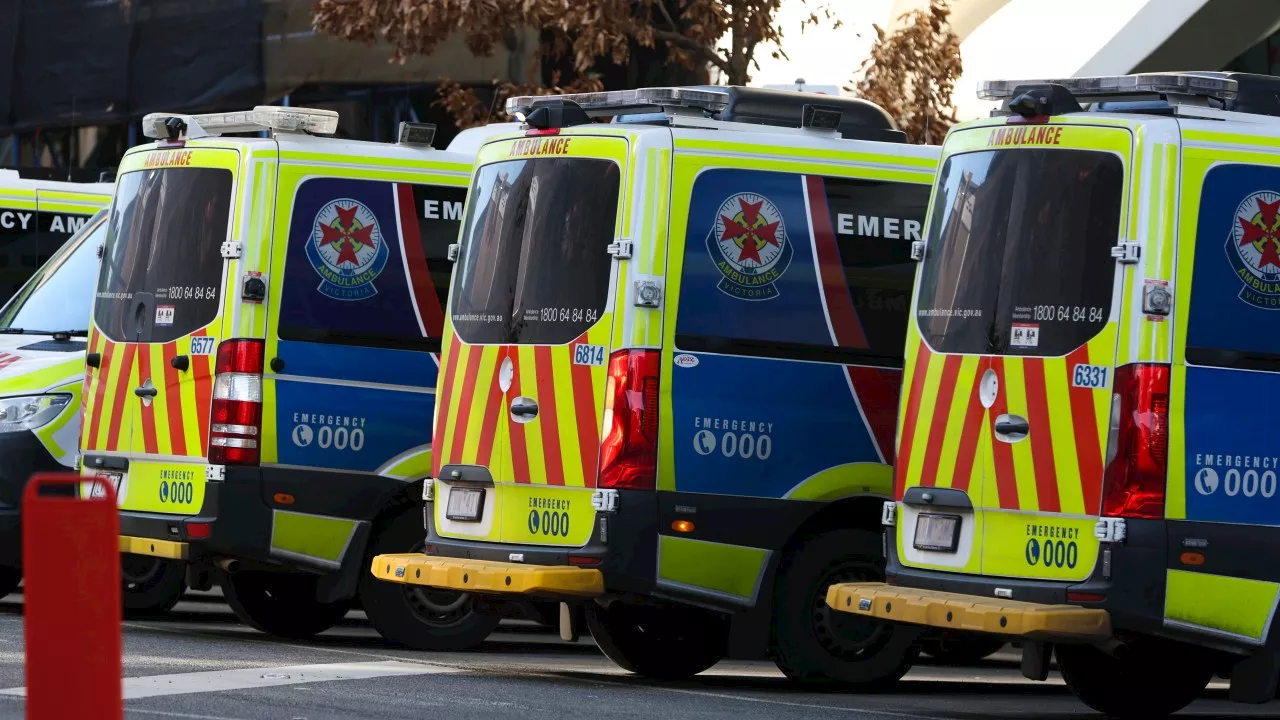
(42, 348)
(262, 359)
(1086, 459)
(670, 374)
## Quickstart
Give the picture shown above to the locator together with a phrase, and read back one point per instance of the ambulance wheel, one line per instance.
(420, 617)
(151, 585)
(668, 642)
(1150, 678)
(281, 604)
(960, 648)
(812, 642)
(10, 579)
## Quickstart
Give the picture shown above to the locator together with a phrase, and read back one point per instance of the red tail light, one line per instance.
(1138, 444)
(236, 422)
(629, 449)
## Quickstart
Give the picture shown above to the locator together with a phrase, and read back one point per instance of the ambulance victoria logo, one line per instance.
(1253, 248)
(347, 249)
(749, 246)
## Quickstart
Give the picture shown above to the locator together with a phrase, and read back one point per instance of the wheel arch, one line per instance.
(752, 634)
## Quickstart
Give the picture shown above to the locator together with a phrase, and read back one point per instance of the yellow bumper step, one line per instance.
(489, 577)
(154, 548)
(970, 612)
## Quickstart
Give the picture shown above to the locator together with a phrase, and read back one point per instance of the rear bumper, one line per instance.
(154, 548)
(953, 611)
(240, 519)
(502, 578)
(621, 551)
(1126, 585)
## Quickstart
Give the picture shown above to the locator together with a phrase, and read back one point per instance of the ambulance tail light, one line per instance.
(1133, 484)
(236, 422)
(629, 434)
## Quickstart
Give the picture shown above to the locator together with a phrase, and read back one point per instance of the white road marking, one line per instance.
(261, 677)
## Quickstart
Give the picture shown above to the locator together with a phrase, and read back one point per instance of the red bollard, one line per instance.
(71, 574)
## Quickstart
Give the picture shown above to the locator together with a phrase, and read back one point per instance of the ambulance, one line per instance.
(670, 370)
(262, 361)
(42, 349)
(1086, 458)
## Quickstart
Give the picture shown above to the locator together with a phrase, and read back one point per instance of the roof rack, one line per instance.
(1230, 91)
(169, 126)
(849, 117)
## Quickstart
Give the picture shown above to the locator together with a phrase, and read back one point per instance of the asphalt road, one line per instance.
(199, 663)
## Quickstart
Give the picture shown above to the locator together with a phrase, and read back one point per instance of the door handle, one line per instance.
(181, 362)
(93, 360)
(524, 409)
(145, 391)
(1011, 428)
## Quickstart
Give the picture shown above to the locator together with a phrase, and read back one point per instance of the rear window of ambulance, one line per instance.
(535, 263)
(1019, 251)
(161, 271)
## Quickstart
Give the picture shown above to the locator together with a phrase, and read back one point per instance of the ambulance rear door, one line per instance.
(163, 292)
(1020, 294)
(531, 331)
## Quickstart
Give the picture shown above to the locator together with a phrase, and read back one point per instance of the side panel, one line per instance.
(1224, 451)
(787, 293)
(356, 318)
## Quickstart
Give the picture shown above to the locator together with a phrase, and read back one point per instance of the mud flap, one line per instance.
(341, 585)
(1035, 659)
(1254, 679)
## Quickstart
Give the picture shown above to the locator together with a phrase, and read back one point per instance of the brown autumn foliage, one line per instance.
(724, 34)
(912, 73)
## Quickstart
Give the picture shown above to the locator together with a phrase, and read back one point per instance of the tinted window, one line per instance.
(1019, 256)
(788, 265)
(535, 265)
(161, 273)
(19, 248)
(59, 295)
(1235, 289)
(368, 262)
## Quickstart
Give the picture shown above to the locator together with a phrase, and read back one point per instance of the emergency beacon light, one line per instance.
(262, 117)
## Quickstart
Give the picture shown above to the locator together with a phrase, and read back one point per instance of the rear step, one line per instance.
(971, 612)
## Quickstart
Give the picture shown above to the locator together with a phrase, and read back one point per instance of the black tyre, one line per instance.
(416, 616)
(669, 642)
(152, 586)
(1151, 678)
(960, 648)
(812, 642)
(10, 579)
(281, 604)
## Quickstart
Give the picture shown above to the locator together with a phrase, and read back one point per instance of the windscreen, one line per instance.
(57, 298)
(161, 273)
(535, 262)
(1019, 251)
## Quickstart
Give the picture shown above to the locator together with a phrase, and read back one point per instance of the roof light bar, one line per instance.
(1122, 85)
(617, 102)
(262, 117)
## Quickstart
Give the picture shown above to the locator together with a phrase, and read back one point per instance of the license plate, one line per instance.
(939, 533)
(465, 504)
(113, 479)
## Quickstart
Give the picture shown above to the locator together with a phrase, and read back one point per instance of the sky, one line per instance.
(831, 57)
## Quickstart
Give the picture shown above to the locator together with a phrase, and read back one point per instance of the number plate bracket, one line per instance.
(465, 504)
(937, 533)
